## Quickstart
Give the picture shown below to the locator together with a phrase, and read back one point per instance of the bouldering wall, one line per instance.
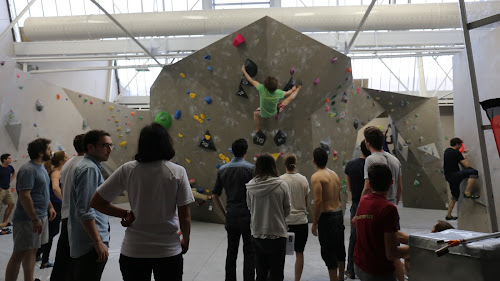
(200, 93)
(418, 146)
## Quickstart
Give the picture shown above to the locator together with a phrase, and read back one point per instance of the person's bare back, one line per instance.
(328, 182)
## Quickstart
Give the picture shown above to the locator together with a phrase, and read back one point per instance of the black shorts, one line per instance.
(457, 177)
(331, 238)
(301, 232)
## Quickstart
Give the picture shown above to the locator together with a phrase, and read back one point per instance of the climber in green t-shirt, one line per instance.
(270, 96)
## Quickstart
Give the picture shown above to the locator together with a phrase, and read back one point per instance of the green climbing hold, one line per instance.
(339, 87)
(416, 183)
(333, 102)
(343, 189)
(85, 100)
(334, 96)
(140, 117)
(163, 118)
(338, 120)
(446, 138)
(416, 115)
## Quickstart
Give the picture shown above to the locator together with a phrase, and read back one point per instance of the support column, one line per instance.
(421, 76)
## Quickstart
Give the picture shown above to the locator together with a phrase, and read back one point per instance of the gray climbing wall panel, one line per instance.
(420, 150)
(307, 121)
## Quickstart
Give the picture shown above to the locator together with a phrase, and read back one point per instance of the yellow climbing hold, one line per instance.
(192, 95)
(202, 116)
(207, 137)
(183, 75)
(276, 155)
(111, 108)
(207, 190)
(188, 161)
(119, 129)
(121, 136)
(201, 121)
(227, 159)
(116, 121)
(180, 135)
(221, 156)
(196, 117)
(123, 143)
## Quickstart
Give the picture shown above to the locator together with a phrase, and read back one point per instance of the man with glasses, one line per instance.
(88, 229)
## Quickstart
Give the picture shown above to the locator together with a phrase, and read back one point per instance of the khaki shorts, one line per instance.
(6, 197)
(26, 239)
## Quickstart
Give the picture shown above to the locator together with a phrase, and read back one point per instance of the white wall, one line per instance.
(6, 44)
(473, 215)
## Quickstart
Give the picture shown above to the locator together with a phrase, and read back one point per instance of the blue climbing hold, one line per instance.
(177, 115)
(188, 92)
(218, 166)
(207, 57)
(208, 99)
(230, 150)
(209, 68)
(200, 189)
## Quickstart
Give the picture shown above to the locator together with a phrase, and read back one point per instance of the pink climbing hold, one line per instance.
(18, 75)
(335, 153)
(238, 40)
(91, 102)
(316, 82)
(327, 108)
(333, 60)
(358, 89)
(292, 71)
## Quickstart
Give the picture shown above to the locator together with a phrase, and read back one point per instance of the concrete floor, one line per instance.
(205, 259)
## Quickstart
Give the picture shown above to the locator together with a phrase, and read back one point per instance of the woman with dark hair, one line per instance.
(157, 189)
(53, 167)
(269, 204)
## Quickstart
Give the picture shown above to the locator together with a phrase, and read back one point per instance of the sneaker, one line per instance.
(350, 275)
(47, 265)
(452, 218)
(471, 196)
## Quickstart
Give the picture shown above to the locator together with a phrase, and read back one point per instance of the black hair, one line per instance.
(380, 177)
(239, 147)
(265, 166)
(375, 137)
(455, 141)
(92, 137)
(78, 143)
(271, 84)
(4, 157)
(366, 152)
(154, 144)
(320, 157)
(37, 146)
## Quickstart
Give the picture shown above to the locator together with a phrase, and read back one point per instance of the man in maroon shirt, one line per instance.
(376, 226)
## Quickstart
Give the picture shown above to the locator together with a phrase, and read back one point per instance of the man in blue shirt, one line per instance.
(30, 217)
(7, 175)
(233, 178)
(89, 229)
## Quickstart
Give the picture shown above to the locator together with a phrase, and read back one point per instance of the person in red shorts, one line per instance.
(376, 230)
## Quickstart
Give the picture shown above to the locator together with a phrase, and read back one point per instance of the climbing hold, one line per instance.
(358, 90)
(259, 138)
(227, 159)
(325, 147)
(333, 102)
(140, 117)
(128, 130)
(331, 115)
(85, 124)
(238, 40)
(180, 135)
(280, 138)
(116, 121)
(188, 161)
(202, 116)
(2, 63)
(188, 92)
(192, 95)
(132, 113)
(356, 124)
(392, 109)
(327, 100)
(276, 155)
(335, 153)
(85, 100)
(21, 87)
(208, 100)
(401, 103)
(201, 121)
(163, 118)
(406, 122)
(183, 75)
(209, 68)
(18, 75)
(91, 102)
(113, 115)
(123, 143)
(389, 103)
(207, 142)
(221, 156)
(342, 115)
(177, 115)
(338, 120)
(58, 96)
(196, 117)
(251, 67)
(207, 57)
(241, 92)
(218, 166)
(230, 150)
(316, 82)
(333, 60)
(111, 108)
(327, 108)
(446, 138)
(416, 115)
(416, 182)
(292, 71)
(119, 129)
(421, 139)
(339, 87)
(349, 70)
(344, 98)
(39, 105)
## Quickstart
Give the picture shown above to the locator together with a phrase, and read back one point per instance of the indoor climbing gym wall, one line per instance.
(208, 106)
(418, 147)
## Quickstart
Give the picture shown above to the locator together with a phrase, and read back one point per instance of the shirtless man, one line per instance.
(328, 220)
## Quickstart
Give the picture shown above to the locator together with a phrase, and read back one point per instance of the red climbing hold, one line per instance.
(238, 40)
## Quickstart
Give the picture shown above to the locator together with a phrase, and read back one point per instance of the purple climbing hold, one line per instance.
(208, 100)
(2, 63)
(292, 71)
(316, 82)
(333, 60)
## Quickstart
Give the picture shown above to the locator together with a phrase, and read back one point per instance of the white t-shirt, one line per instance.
(299, 188)
(155, 190)
(67, 173)
(394, 165)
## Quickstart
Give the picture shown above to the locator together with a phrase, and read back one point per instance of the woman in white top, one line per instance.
(297, 220)
(157, 189)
